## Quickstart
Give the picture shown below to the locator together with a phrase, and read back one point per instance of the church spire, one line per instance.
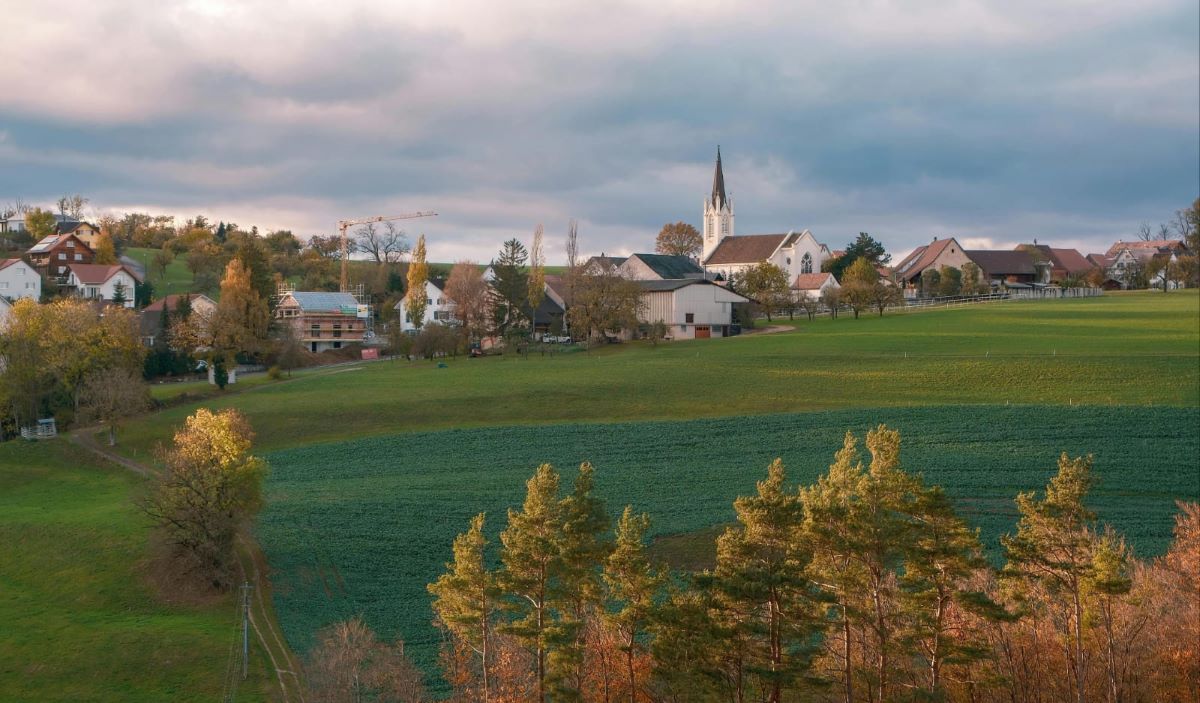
(718, 191)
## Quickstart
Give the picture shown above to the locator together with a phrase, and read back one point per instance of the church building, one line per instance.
(726, 254)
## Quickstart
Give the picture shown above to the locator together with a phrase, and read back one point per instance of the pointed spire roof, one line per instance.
(718, 191)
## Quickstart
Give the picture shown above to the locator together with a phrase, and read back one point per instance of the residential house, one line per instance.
(56, 253)
(19, 280)
(438, 307)
(938, 253)
(5, 313)
(1154, 246)
(151, 315)
(1064, 263)
(323, 321)
(1013, 269)
(103, 282)
(725, 254)
(85, 231)
(602, 264)
(691, 308)
(1130, 257)
(812, 286)
(658, 267)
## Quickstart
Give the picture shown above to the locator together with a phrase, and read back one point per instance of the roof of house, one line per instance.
(746, 249)
(609, 261)
(5, 263)
(1100, 260)
(1003, 263)
(811, 281)
(47, 243)
(1150, 244)
(1069, 260)
(97, 274)
(172, 301)
(69, 226)
(669, 265)
(668, 285)
(922, 258)
(322, 301)
(558, 285)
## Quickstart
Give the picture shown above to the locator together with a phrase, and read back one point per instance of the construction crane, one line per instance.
(343, 225)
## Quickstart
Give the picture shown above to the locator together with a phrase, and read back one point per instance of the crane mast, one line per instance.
(344, 225)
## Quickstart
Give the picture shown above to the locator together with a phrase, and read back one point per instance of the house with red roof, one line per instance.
(936, 254)
(813, 285)
(103, 282)
(55, 253)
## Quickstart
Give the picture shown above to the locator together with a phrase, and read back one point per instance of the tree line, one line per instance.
(865, 586)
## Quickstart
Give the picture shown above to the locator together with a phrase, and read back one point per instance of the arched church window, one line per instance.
(709, 228)
(806, 263)
(724, 226)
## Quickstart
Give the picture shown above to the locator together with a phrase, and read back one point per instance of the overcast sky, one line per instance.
(997, 121)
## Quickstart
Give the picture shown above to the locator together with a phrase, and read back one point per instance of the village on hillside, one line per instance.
(696, 283)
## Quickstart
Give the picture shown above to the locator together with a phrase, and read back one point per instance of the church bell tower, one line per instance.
(718, 213)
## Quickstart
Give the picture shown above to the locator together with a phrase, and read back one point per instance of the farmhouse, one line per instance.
(112, 284)
(658, 267)
(1064, 263)
(151, 317)
(438, 307)
(726, 254)
(55, 253)
(939, 253)
(323, 321)
(812, 286)
(602, 264)
(692, 308)
(1002, 267)
(19, 280)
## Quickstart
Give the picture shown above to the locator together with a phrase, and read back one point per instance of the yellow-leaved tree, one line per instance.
(241, 320)
(210, 490)
(418, 275)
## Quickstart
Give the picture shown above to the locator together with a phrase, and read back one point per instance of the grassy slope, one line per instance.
(1122, 349)
(362, 526)
(76, 620)
(177, 280)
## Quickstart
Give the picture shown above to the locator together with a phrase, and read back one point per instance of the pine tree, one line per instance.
(632, 584)
(119, 297)
(531, 561)
(510, 287)
(761, 576)
(577, 593)
(465, 597)
(1053, 548)
(418, 275)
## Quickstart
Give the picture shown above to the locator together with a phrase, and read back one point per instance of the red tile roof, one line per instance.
(97, 274)
(921, 258)
(5, 263)
(1155, 244)
(1100, 260)
(1071, 260)
(811, 281)
(745, 249)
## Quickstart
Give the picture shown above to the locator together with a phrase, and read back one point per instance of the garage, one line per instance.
(703, 332)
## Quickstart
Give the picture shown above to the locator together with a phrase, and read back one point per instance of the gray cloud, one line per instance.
(999, 120)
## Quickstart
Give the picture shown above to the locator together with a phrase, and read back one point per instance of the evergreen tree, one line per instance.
(578, 594)
(531, 563)
(510, 287)
(465, 597)
(761, 578)
(1053, 548)
(119, 296)
(418, 275)
(632, 584)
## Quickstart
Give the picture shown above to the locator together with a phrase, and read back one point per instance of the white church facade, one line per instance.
(726, 254)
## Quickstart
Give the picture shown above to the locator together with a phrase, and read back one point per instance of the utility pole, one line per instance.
(245, 630)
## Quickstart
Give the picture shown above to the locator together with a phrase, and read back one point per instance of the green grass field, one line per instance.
(178, 278)
(1141, 349)
(78, 621)
(363, 526)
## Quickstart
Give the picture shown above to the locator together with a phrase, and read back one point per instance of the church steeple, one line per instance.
(718, 212)
(718, 191)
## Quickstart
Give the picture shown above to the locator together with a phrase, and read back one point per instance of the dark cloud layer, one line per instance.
(1006, 121)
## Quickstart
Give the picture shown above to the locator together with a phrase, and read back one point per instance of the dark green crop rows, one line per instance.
(363, 526)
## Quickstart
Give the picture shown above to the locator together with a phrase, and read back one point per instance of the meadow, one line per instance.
(362, 526)
(178, 278)
(1129, 349)
(78, 618)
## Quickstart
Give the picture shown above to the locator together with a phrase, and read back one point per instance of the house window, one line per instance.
(79, 257)
(428, 301)
(789, 261)
(316, 330)
(62, 256)
(71, 244)
(337, 345)
(408, 318)
(806, 263)
(3, 285)
(337, 331)
(689, 317)
(62, 269)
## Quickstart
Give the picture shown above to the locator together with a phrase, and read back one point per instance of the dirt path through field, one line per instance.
(253, 567)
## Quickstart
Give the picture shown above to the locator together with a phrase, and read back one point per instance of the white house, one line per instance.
(103, 282)
(438, 307)
(19, 280)
(5, 312)
(813, 285)
(726, 254)
(692, 308)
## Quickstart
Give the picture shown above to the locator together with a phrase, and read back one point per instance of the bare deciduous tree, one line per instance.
(351, 665)
(386, 246)
(109, 395)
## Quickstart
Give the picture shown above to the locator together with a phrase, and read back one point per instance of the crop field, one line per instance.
(363, 526)
(77, 619)
(1127, 349)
